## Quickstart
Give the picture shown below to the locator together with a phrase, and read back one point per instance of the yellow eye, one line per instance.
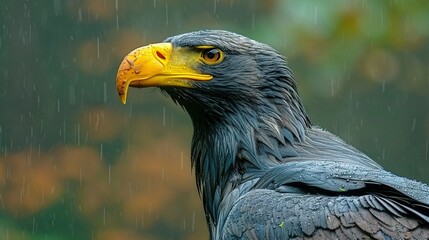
(212, 56)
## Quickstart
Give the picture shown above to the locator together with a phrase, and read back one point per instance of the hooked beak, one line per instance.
(156, 65)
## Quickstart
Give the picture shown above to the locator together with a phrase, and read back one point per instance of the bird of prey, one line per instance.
(262, 169)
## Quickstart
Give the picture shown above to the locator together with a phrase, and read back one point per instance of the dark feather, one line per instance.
(262, 169)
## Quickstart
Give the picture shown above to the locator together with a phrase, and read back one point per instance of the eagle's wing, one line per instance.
(330, 200)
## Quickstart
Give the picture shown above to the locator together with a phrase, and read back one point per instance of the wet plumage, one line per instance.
(262, 169)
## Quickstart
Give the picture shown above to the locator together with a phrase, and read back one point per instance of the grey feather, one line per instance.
(265, 172)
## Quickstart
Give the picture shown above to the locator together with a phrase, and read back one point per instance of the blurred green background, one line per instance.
(77, 164)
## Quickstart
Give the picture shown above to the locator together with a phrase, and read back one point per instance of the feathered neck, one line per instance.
(245, 138)
(238, 137)
(217, 149)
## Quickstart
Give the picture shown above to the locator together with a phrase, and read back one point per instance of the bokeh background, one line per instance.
(77, 164)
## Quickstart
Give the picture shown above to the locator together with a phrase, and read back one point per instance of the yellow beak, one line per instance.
(157, 65)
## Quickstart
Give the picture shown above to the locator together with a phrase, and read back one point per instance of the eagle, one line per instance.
(262, 169)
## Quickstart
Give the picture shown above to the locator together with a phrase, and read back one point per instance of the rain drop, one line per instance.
(163, 174)
(104, 216)
(214, 6)
(193, 221)
(110, 174)
(78, 134)
(163, 116)
(72, 95)
(98, 47)
(427, 146)
(181, 159)
(117, 22)
(315, 15)
(105, 92)
(413, 125)
(80, 15)
(166, 14)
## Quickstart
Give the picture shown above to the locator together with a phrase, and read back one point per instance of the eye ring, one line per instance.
(212, 56)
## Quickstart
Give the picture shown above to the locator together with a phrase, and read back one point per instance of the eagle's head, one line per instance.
(215, 75)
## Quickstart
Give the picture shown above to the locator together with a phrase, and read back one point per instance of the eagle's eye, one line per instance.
(212, 56)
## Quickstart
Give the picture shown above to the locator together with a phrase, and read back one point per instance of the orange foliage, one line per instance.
(349, 24)
(77, 163)
(92, 56)
(101, 9)
(102, 124)
(149, 180)
(30, 183)
(379, 65)
(93, 10)
(120, 234)
(153, 180)
(121, 44)
(93, 196)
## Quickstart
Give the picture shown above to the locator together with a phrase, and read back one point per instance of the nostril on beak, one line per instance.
(160, 55)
